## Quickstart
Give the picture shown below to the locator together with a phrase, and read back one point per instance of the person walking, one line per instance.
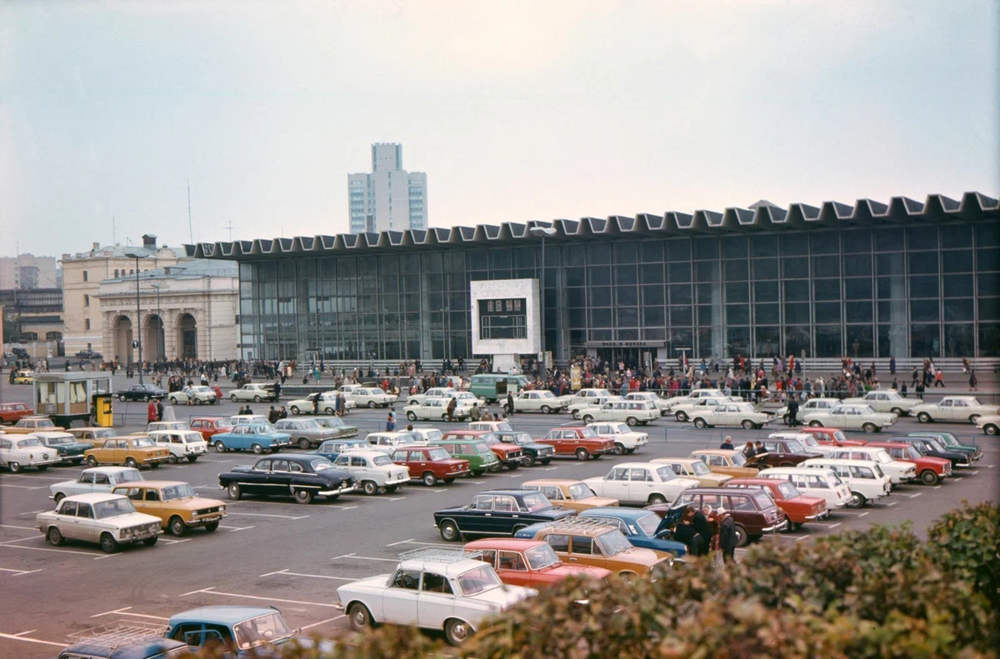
(939, 379)
(159, 410)
(452, 404)
(390, 421)
(727, 537)
(151, 414)
(510, 404)
(973, 380)
(793, 412)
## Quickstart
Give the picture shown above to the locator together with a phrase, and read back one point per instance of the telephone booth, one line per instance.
(69, 397)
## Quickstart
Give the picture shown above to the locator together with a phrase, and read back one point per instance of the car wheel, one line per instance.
(176, 526)
(198, 401)
(304, 443)
(173, 401)
(192, 458)
(815, 424)
(361, 617)
(256, 399)
(924, 417)
(747, 424)
(294, 409)
(528, 460)
(130, 462)
(619, 449)
(233, 398)
(257, 448)
(220, 447)
(655, 499)
(973, 419)
(145, 399)
(582, 454)
(457, 632)
(411, 416)
(496, 468)
(234, 491)
(632, 421)
(370, 488)
(371, 405)
(700, 423)
(449, 531)
(680, 416)
(303, 496)
(172, 459)
(546, 409)
(785, 464)
(928, 477)
(869, 427)
(991, 429)
(328, 411)
(149, 542)
(55, 537)
(588, 418)
(108, 543)
(576, 414)
(429, 479)
(58, 497)
(15, 467)
(121, 397)
(91, 461)
(897, 411)
(211, 527)
(741, 536)
(857, 500)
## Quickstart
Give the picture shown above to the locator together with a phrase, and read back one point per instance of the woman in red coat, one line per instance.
(151, 412)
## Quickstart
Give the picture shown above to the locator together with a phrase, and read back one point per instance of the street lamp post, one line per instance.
(138, 309)
(159, 324)
(542, 232)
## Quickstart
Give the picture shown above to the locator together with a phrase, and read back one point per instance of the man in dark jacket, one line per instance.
(727, 538)
(703, 529)
(272, 415)
(510, 404)
(793, 411)
(727, 444)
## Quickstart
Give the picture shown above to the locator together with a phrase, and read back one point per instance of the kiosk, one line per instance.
(69, 397)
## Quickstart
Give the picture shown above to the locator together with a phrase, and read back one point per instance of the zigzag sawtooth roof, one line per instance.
(973, 206)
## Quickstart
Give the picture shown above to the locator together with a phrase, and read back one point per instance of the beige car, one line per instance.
(569, 494)
(93, 435)
(961, 409)
(888, 401)
(175, 503)
(723, 461)
(695, 469)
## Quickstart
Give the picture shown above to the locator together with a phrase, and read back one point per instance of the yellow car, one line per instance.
(24, 377)
(175, 503)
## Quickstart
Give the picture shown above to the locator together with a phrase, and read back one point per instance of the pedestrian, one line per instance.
(150, 410)
(272, 415)
(452, 404)
(159, 410)
(792, 418)
(759, 449)
(727, 537)
(727, 444)
(892, 365)
(939, 379)
(973, 380)
(282, 413)
(474, 414)
(920, 389)
(510, 404)
(390, 421)
(748, 451)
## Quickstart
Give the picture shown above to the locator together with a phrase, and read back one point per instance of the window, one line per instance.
(85, 275)
(152, 495)
(406, 579)
(86, 323)
(505, 505)
(512, 560)
(436, 583)
(558, 542)
(483, 503)
(86, 300)
(583, 545)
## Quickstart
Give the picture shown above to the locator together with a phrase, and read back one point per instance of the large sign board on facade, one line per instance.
(505, 317)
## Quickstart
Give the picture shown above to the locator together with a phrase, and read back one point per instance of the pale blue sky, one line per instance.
(516, 110)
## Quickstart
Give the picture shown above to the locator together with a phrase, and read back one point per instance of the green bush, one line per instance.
(879, 593)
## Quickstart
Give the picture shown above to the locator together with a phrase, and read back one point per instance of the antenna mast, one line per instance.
(230, 228)
(190, 226)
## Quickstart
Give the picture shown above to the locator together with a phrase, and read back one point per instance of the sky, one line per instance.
(516, 110)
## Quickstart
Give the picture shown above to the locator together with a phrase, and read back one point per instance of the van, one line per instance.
(493, 386)
(822, 483)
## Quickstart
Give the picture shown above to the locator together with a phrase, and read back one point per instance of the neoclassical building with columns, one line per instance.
(186, 311)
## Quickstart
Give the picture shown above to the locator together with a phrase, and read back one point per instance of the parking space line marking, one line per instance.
(517, 476)
(348, 507)
(43, 478)
(236, 528)
(309, 576)
(194, 592)
(174, 542)
(211, 591)
(107, 613)
(206, 487)
(914, 496)
(23, 528)
(366, 558)
(27, 632)
(805, 537)
(23, 487)
(322, 622)
(18, 573)
(891, 504)
(833, 526)
(57, 551)
(862, 514)
(955, 480)
(549, 468)
(396, 499)
(973, 472)
(428, 544)
(401, 542)
(935, 487)
(268, 515)
(478, 482)
(30, 537)
(15, 637)
(34, 512)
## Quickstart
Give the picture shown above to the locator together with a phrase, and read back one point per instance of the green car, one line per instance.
(951, 443)
(480, 456)
(493, 386)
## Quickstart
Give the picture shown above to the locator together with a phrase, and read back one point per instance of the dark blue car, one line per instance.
(642, 527)
(331, 448)
(497, 512)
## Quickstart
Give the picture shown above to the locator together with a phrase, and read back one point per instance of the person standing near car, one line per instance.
(510, 404)
(727, 536)
(151, 413)
(452, 404)
(792, 417)
(159, 409)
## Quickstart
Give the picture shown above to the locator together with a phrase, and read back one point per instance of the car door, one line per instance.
(960, 410)
(416, 461)
(400, 599)
(86, 524)
(479, 517)
(640, 485)
(583, 551)
(616, 485)
(945, 411)
(85, 484)
(279, 478)
(67, 522)
(436, 602)
(361, 470)
(506, 514)
(513, 569)
(256, 480)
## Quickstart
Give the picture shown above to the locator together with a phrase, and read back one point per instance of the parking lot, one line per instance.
(276, 552)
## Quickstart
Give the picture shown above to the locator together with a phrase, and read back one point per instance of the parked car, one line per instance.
(632, 412)
(109, 520)
(143, 392)
(430, 464)
(436, 409)
(241, 630)
(930, 470)
(626, 440)
(175, 504)
(93, 435)
(210, 426)
(541, 400)
(807, 439)
(183, 444)
(886, 401)
(371, 397)
(479, 455)
(24, 377)
(586, 398)
(534, 452)
(508, 455)
(798, 508)
(388, 441)
(580, 442)
(131, 451)
(255, 392)
(865, 479)
(684, 411)
(694, 469)
(492, 426)
(325, 403)
(731, 414)
(34, 424)
(20, 452)
(954, 409)
(432, 590)
(11, 412)
(822, 483)
(831, 436)
(337, 425)
(304, 433)
(373, 471)
(592, 542)
(331, 448)
(89, 354)
(528, 563)
(642, 527)
(257, 438)
(694, 395)
(70, 450)
(568, 494)
(754, 512)
(650, 396)
(153, 426)
(197, 395)
(950, 442)
(95, 480)
(588, 406)
(443, 393)
(899, 472)
(808, 407)
(989, 423)
(931, 447)
(491, 387)
(641, 483)
(851, 417)
(783, 452)
(152, 647)
(723, 461)
(425, 435)
(303, 477)
(497, 512)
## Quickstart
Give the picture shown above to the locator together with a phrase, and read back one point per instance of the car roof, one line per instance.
(888, 444)
(107, 470)
(135, 650)
(153, 484)
(449, 568)
(714, 490)
(517, 493)
(226, 615)
(752, 481)
(798, 471)
(630, 514)
(842, 462)
(364, 454)
(715, 451)
(512, 544)
(553, 481)
(639, 465)
(210, 418)
(680, 460)
(94, 497)
(291, 457)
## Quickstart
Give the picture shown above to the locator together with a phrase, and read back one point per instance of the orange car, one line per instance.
(131, 451)
(569, 494)
(530, 563)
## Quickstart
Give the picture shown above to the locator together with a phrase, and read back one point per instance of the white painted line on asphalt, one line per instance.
(955, 480)
(23, 528)
(914, 496)
(18, 573)
(34, 512)
(212, 591)
(308, 576)
(23, 487)
(973, 472)
(106, 613)
(44, 478)
(194, 592)
(25, 633)
(805, 537)
(395, 499)
(426, 544)
(322, 622)
(862, 514)
(236, 528)
(355, 557)
(550, 468)
(401, 542)
(57, 551)
(174, 542)
(833, 526)
(124, 611)
(348, 507)
(935, 487)
(206, 487)
(478, 482)
(890, 505)
(517, 476)
(268, 515)
(15, 637)
(30, 537)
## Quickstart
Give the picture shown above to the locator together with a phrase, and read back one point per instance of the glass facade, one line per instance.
(920, 290)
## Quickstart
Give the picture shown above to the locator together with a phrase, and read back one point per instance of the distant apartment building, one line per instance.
(28, 271)
(389, 198)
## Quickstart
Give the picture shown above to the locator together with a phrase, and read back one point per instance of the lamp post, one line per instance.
(542, 232)
(138, 309)
(159, 324)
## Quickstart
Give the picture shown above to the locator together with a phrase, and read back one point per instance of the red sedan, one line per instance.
(831, 436)
(11, 412)
(530, 563)
(430, 464)
(211, 425)
(930, 470)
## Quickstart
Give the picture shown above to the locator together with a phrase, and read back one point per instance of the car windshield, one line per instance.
(483, 449)
(934, 444)
(649, 523)
(321, 464)
(171, 492)
(523, 439)
(478, 581)
(764, 499)
(204, 390)
(579, 491)
(536, 501)
(105, 434)
(541, 557)
(382, 460)
(619, 428)
(113, 508)
(438, 454)
(58, 441)
(587, 433)
(666, 474)
(921, 448)
(892, 395)
(787, 490)
(910, 452)
(546, 394)
(308, 424)
(433, 435)
(699, 468)
(142, 442)
(832, 476)
(613, 542)
(261, 631)
(738, 459)
(129, 476)
(882, 456)
(794, 446)
(489, 438)
(44, 423)
(946, 439)
(27, 443)
(810, 441)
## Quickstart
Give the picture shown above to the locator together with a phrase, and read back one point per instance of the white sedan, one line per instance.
(641, 483)
(436, 409)
(684, 411)
(632, 412)
(626, 440)
(197, 395)
(886, 401)
(811, 405)
(899, 471)
(109, 520)
(732, 414)
(659, 403)
(694, 395)
(327, 403)
(989, 424)
(18, 452)
(440, 393)
(370, 397)
(373, 471)
(850, 417)
(539, 401)
(954, 408)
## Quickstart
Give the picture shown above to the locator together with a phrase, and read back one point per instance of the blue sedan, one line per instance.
(331, 448)
(257, 438)
(641, 527)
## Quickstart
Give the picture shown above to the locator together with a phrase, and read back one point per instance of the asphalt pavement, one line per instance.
(276, 552)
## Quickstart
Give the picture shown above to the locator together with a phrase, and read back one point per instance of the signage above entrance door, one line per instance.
(625, 344)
